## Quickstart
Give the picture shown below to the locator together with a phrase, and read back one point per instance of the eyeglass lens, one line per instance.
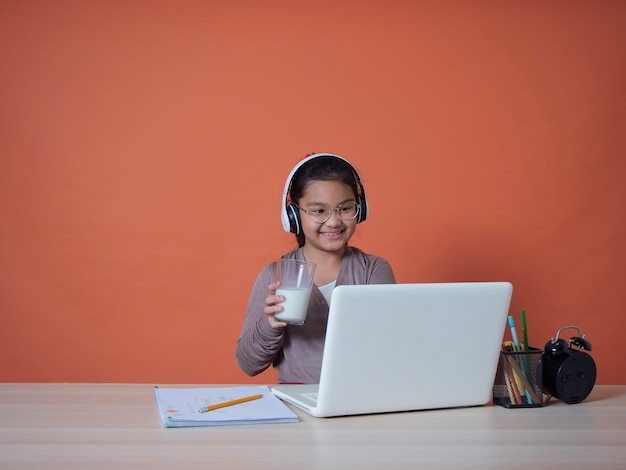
(347, 211)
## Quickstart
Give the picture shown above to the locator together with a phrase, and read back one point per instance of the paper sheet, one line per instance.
(180, 406)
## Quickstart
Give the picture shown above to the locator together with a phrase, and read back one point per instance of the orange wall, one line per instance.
(144, 146)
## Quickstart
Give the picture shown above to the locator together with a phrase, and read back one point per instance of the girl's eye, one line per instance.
(318, 211)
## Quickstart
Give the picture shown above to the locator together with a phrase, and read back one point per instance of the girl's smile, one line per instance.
(333, 235)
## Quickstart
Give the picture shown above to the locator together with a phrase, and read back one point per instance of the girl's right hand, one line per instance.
(272, 306)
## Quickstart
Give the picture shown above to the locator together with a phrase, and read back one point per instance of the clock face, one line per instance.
(575, 378)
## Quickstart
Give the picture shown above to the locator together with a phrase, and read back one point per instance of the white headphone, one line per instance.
(290, 216)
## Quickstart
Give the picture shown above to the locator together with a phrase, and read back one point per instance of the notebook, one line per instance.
(404, 347)
(182, 407)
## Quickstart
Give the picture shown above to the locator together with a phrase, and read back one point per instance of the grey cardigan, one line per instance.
(296, 351)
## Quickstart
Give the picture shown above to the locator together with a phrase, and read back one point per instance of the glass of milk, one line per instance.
(296, 282)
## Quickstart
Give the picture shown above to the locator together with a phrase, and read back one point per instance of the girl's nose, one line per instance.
(334, 218)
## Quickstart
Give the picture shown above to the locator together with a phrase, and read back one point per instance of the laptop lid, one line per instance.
(400, 347)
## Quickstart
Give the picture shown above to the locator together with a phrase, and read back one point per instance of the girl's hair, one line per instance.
(324, 168)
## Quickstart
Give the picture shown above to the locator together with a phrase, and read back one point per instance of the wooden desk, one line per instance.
(102, 426)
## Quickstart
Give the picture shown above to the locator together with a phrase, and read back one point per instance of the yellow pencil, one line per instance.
(204, 409)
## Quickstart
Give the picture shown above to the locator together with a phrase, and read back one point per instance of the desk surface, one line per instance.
(99, 426)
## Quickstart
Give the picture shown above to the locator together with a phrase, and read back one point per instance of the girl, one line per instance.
(323, 201)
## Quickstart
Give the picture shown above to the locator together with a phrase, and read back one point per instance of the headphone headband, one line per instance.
(291, 222)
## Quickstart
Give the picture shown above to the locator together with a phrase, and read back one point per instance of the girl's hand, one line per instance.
(272, 306)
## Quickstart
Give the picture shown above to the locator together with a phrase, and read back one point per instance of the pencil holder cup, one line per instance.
(519, 379)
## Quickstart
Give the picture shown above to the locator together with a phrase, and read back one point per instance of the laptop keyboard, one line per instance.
(309, 396)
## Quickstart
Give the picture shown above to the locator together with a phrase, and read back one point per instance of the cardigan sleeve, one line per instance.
(259, 343)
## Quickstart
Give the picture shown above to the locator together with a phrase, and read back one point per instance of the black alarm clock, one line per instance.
(569, 373)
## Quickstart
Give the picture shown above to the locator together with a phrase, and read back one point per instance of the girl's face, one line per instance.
(334, 234)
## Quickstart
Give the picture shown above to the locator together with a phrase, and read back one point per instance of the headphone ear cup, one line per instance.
(363, 212)
(294, 219)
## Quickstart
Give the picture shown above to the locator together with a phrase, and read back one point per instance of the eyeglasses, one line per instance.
(346, 211)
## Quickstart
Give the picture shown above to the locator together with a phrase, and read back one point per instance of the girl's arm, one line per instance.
(259, 343)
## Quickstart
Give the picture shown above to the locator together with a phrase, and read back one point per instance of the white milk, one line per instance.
(295, 305)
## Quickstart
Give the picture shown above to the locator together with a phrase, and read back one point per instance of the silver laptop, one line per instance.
(401, 347)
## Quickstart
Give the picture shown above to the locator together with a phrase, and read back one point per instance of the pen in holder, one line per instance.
(518, 380)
